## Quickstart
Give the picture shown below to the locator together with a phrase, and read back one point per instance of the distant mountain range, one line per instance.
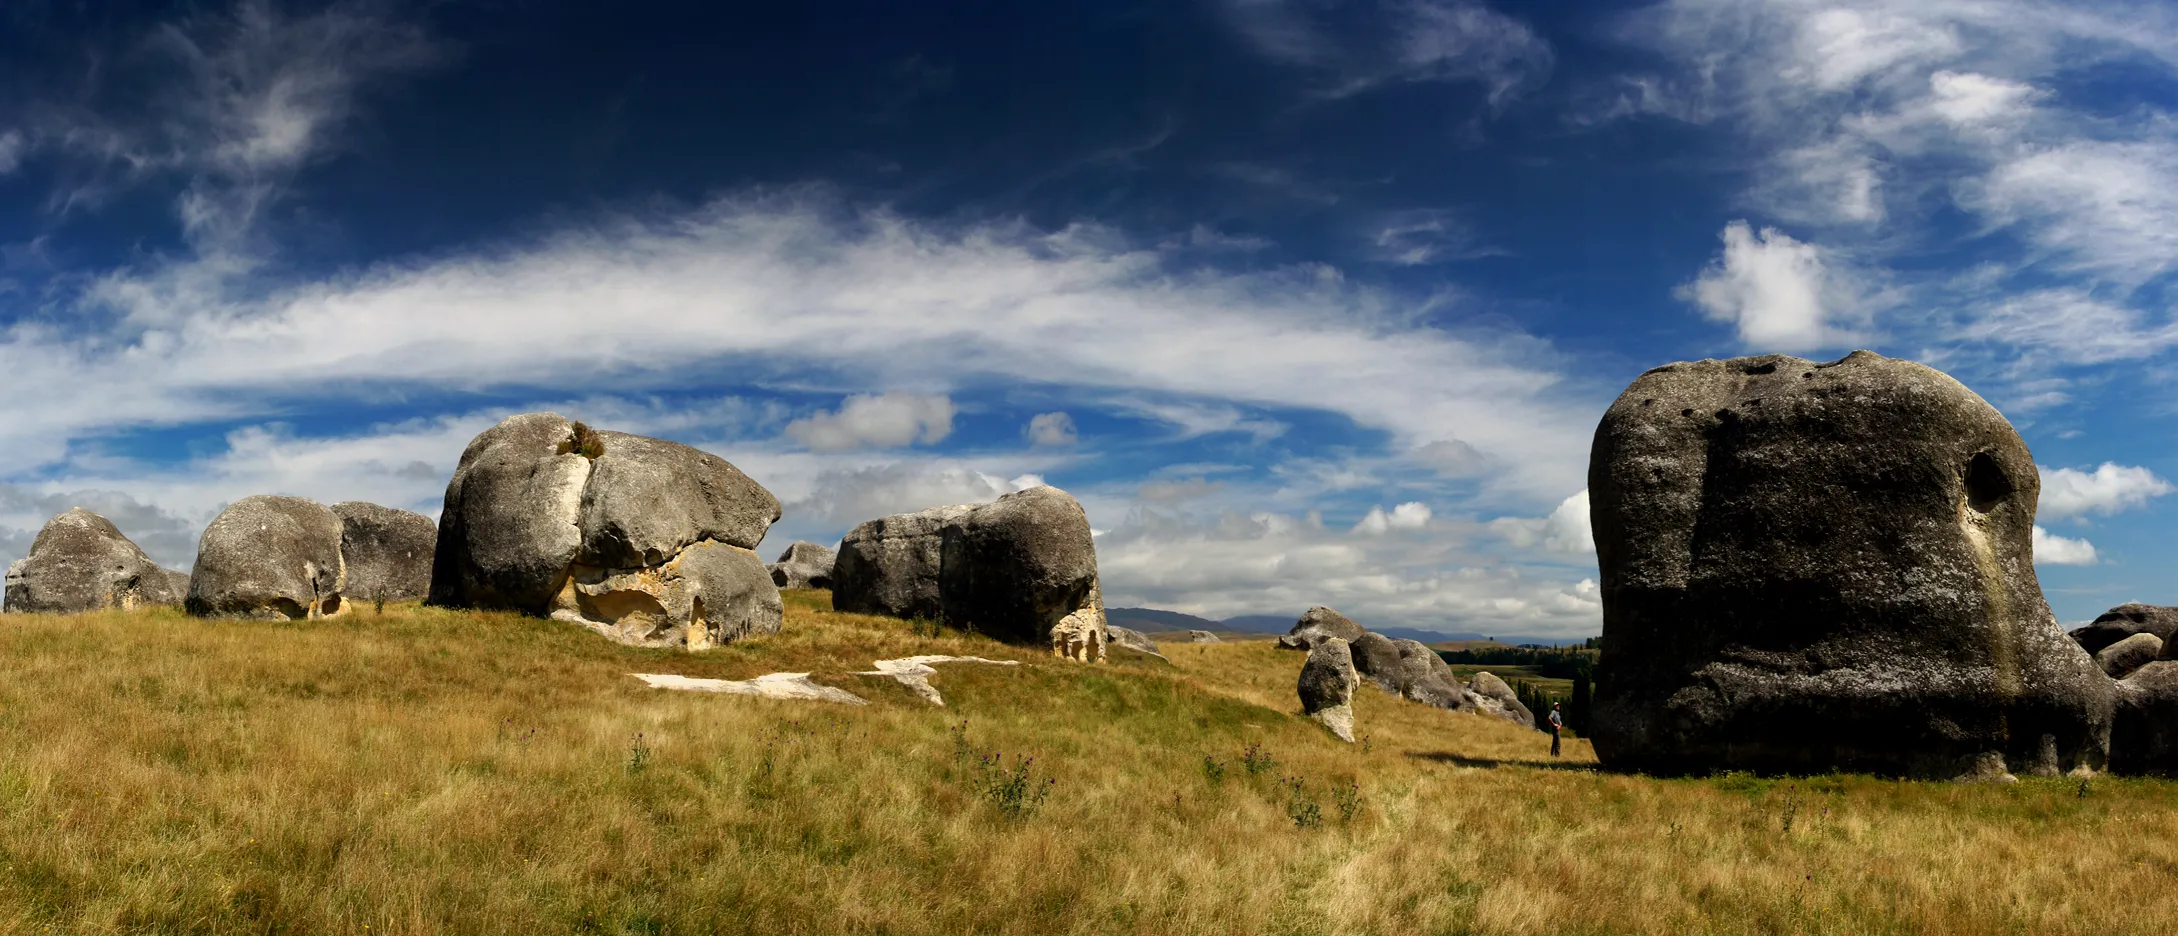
(1152, 620)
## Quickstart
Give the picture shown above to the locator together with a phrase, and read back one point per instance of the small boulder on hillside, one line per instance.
(1376, 658)
(1494, 697)
(388, 552)
(1327, 687)
(1203, 636)
(804, 565)
(1316, 624)
(81, 562)
(1132, 639)
(2122, 658)
(2124, 621)
(646, 541)
(271, 558)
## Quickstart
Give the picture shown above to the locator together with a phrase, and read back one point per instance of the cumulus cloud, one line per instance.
(2070, 492)
(1051, 429)
(1413, 515)
(1778, 292)
(2051, 549)
(1565, 530)
(888, 420)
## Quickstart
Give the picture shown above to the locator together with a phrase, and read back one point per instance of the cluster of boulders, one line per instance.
(1811, 567)
(1404, 668)
(2133, 645)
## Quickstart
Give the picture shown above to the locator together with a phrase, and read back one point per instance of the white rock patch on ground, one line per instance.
(913, 672)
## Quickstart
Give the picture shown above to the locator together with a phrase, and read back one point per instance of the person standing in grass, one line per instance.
(1557, 721)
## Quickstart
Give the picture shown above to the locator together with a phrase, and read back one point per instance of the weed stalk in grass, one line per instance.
(1213, 768)
(638, 755)
(1257, 760)
(1300, 807)
(1348, 801)
(1015, 792)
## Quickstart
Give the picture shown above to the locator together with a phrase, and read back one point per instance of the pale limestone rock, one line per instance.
(772, 686)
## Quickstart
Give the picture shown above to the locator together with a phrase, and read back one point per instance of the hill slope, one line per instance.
(437, 772)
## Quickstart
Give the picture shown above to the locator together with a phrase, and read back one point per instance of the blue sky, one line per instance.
(1310, 302)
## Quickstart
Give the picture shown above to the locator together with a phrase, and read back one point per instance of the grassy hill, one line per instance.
(424, 771)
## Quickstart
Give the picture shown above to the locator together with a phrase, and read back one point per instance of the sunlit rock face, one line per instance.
(1811, 566)
(646, 541)
(81, 562)
(270, 558)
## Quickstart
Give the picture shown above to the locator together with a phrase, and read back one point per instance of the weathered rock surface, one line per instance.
(1203, 636)
(271, 558)
(388, 552)
(1317, 623)
(1327, 686)
(2124, 621)
(769, 686)
(804, 565)
(1493, 697)
(1376, 658)
(82, 562)
(2122, 658)
(2144, 730)
(1425, 677)
(1810, 567)
(646, 541)
(1132, 639)
(1021, 569)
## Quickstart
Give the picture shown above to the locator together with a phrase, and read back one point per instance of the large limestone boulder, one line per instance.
(388, 552)
(1327, 687)
(1316, 624)
(804, 565)
(1376, 658)
(2144, 730)
(2120, 659)
(81, 562)
(646, 541)
(1810, 567)
(1021, 569)
(269, 558)
(2124, 621)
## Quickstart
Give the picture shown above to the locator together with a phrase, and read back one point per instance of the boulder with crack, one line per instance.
(646, 541)
(81, 562)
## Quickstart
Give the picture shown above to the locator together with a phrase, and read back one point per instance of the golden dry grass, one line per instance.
(431, 772)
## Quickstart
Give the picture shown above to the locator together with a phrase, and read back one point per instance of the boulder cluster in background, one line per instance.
(1811, 567)
(2133, 644)
(646, 541)
(1021, 569)
(80, 562)
(1407, 668)
(804, 565)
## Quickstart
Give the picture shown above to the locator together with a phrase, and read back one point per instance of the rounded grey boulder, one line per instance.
(387, 552)
(82, 562)
(1494, 697)
(549, 517)
(891, 565)
(1317, 623)
(804, 565)
(2124, 621)
(1327, 686)
(1376, 657)
(2120, 659)
(1425, 677)
(1812, 567)
(269, 557)
(1132, 639)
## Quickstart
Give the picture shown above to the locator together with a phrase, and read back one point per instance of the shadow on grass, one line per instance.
(1462, 760)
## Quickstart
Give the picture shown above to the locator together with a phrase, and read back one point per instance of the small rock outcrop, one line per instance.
(1327, 687)
(388, 552)
(2124, 621)
(1022, 569)
(81, 562)
(804, 565)
(1811, 567)
(1316, 624)
(2122, 658)
(1132, 639)
(269, 558)
(2144, 728)
(646, 541)
(1202, 636)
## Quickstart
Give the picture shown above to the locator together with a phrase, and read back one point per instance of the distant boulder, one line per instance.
(388, 552)
(1812, 567)
(1376, 657)
(2124, 621)
(1203, 636)
(2122, 658)
(1316, 624)
(80, 562)
(804, 565)
(1494, 697)
(1327, 687)
(1022, 569)
(270, 558)
(646, 541)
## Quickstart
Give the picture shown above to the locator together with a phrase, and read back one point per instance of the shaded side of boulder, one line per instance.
(2122, 658)
(272, 558)
(1316, 624)
(1425, 677)
(388, 552)
(890, 565)
(1376, 658)
(2124, 621)
(1808, 567)
(707, 595)
(2144, 729)
(804, 565)
(1494, 697)
(1327, 686)
(81, 562)
(1017, 567)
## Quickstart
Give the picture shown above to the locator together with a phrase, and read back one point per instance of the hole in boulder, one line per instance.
(1766, 367)
(288, 608)
(329, 606)
(1986, 484)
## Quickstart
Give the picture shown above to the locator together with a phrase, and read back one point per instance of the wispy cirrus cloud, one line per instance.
(1355, 46)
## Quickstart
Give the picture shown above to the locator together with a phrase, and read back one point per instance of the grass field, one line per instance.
(425, 771)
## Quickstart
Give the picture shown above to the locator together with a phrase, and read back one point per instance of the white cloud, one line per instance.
(2070, 492)
(1413, 515)
(2051, 549)
(1051, 429)
(1370, 44)
(1566, 530)
(1973, 99)
(2104, 207)
(1452, 458)
(1777, 291)
(11, 151)
(2069, 324)
(889, 420)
